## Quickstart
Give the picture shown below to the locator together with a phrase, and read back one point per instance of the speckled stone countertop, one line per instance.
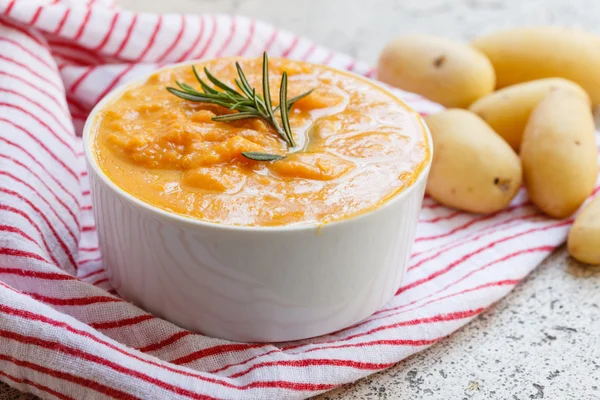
(542, 341)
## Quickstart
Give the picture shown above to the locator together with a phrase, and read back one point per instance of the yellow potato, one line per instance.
(526, 54)
(473, 169)
(559, 153)
(445, 71)
(507, 110)
(584, 237)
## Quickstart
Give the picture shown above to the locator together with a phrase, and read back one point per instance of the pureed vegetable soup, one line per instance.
(356, 147)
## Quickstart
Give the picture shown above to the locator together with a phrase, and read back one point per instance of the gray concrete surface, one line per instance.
(540, 342)
(543, 340)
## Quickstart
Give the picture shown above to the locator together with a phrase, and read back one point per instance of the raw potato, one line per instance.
(507, 110)
(473, 169)
(584, 238)
(559, 153)
(448, 72)
(526, 54)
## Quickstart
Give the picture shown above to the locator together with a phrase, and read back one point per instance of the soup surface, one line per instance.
(356, 147)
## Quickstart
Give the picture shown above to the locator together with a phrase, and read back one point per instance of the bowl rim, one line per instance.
(158, 212)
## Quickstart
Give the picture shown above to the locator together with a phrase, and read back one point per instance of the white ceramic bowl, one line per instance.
(253, 284)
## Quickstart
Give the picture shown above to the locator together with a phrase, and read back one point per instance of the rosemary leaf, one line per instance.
(267, 90)
(200, 97)
(219, 84)
(256, 156)
(236, 116)
(205, 87)
(185, 86)
(256, 103)
(244, 85)
(284, 110)
(267, 98)
(242, 88)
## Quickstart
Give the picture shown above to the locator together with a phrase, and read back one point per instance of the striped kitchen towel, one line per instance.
(63, 331)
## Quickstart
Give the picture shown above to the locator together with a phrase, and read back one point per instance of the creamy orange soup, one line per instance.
(356, 147)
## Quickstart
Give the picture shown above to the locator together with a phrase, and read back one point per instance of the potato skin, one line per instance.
(584, 237)
(525, 54)
(507, 110)
(473, 168)
(559, 153)
(445, 71)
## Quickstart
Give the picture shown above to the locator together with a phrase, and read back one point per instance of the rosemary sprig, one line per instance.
(246, 102)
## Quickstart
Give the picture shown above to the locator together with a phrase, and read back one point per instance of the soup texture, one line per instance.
(357, 146)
